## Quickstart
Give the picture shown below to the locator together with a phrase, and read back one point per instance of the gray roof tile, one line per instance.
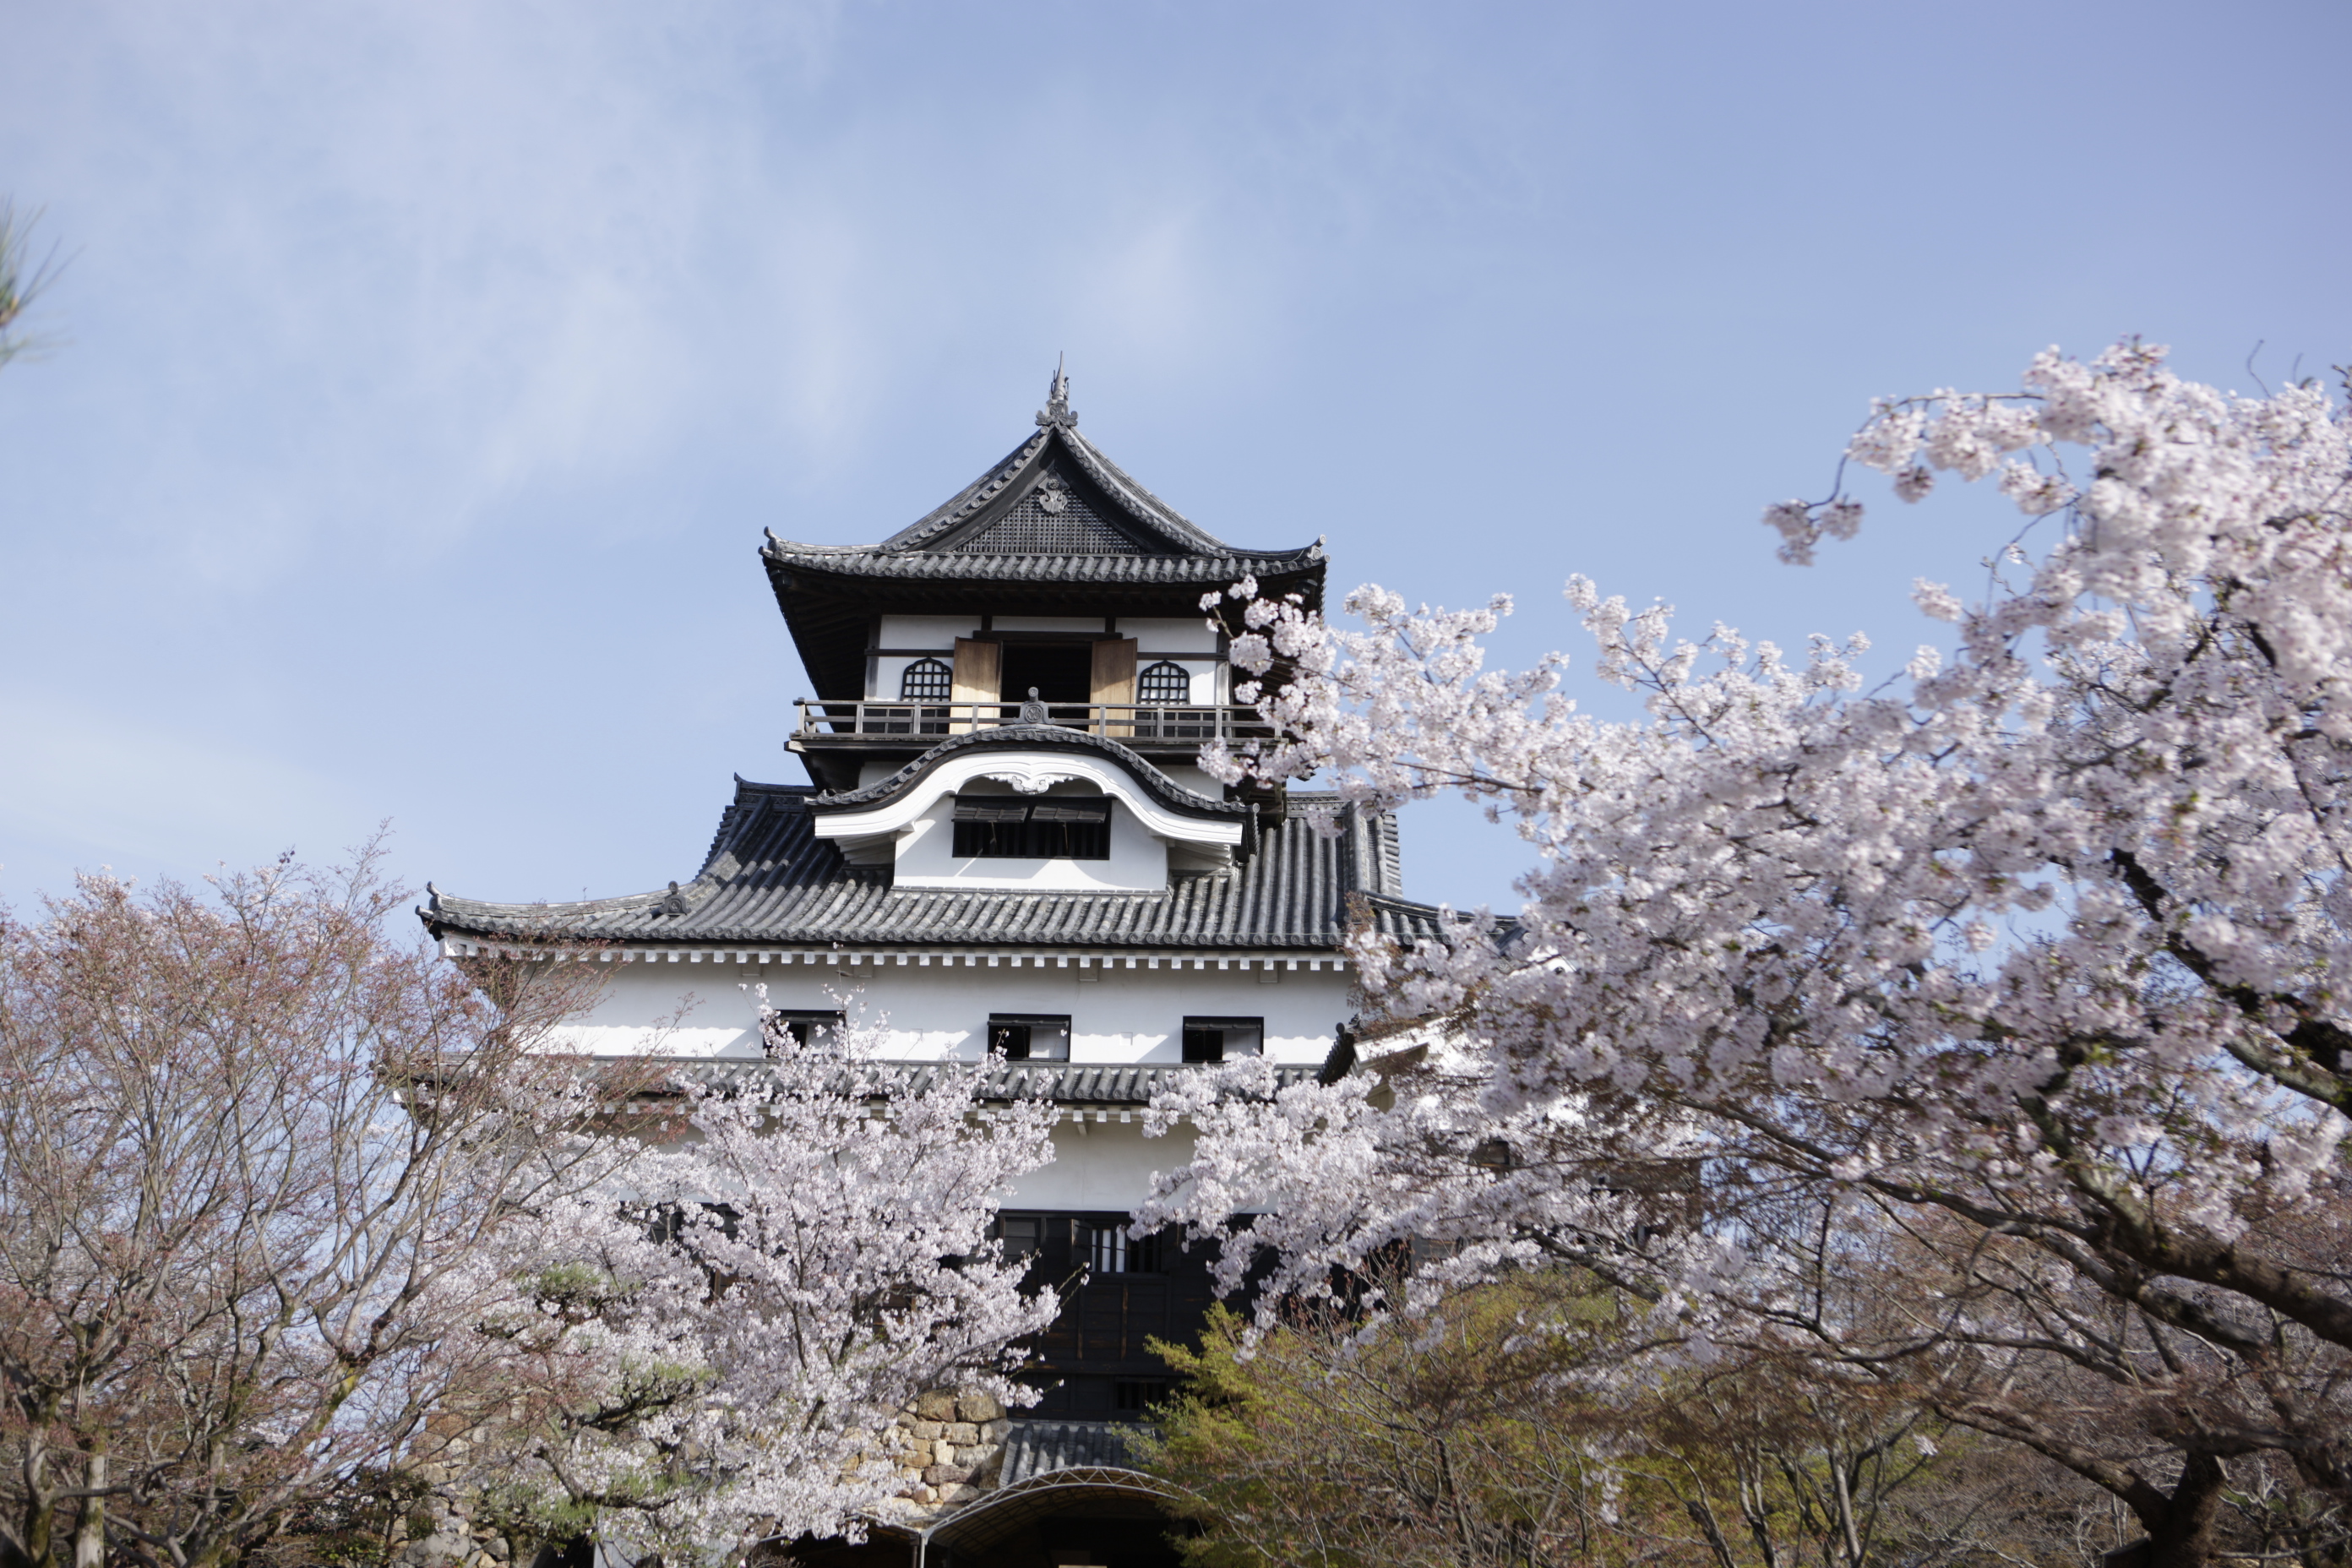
(768, 879)
(1170, 529)
(1137, 539)
(1038, 1447)
(964, 566)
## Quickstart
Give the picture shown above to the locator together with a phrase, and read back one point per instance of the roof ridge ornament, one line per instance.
(1058, 409)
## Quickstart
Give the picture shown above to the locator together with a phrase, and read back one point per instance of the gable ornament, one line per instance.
(1058, 409)
(1029, 783)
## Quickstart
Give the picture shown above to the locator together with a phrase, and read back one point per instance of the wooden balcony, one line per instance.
(1146, 726)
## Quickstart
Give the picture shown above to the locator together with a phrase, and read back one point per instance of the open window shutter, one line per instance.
(979, 674)
(991, 808)
(1062, 808)
(1114, 681)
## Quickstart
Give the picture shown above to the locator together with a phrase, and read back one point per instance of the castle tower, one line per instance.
(1007, 840)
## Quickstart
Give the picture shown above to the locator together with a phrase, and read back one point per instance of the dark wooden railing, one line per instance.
(1132, 722)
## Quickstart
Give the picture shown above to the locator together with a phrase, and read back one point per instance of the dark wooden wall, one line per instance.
(1099, 1341)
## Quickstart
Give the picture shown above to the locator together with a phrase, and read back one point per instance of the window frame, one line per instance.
(1138, 1395)
(1025, 1247)
(1014, 827)
(927, 668)
(1027, 1024)
(1219, 1024)
(1109, 1251)
(1162, 670)
(798, 1023)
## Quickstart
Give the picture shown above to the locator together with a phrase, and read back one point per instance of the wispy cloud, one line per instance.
(389, 264)
(162, 793)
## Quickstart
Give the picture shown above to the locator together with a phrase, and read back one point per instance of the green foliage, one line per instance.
(22, 279)
(1479, 1439)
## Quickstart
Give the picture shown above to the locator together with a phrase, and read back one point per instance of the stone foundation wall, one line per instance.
(455, 1541)
(949, 1448)
(952, 1448)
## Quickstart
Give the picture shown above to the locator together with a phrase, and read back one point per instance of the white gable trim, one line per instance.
(1029, 773)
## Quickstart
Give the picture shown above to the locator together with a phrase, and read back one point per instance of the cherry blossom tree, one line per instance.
(2000, 1008)
(805, 1246)
(287, 1202)
(261, 1169)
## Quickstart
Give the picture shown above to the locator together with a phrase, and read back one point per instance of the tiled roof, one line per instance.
(1055, 446)
(1037, 1448)
(768, 879)
(1053, 528)
(1101, 527)
(1216, 570)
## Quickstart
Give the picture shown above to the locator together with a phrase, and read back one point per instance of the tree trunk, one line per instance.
(33, 1542)
(89, 1531)
(2183, 1536)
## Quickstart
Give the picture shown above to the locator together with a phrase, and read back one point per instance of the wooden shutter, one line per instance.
(1114, 682)
(979, 677)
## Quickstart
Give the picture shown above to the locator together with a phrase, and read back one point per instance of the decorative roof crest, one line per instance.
(1029, 783)
(1058, 409)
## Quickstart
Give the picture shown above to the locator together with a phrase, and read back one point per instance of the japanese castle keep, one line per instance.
(1005, 838)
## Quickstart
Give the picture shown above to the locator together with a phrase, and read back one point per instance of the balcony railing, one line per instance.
(1127, 723)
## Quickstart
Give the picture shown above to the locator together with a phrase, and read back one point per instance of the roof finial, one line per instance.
(1058, 409)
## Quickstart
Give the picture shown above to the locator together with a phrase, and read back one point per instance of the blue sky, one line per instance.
(424, 373)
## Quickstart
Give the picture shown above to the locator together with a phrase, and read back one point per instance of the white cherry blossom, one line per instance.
(2020, 980)
(802, 1247)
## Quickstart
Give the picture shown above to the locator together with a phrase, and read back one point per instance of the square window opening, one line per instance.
(1030, 1036)
(1005, 827)
(1022, 1235)
(1060, 671)
(1138, 1394)
(788, 1032)
(1223, 1039)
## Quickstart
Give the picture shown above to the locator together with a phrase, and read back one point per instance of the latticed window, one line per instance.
(1110, 1250)
(1164, 682)
(926, 681)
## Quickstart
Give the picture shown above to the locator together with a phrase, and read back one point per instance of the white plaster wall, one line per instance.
(926, 631)
(1194, 777)
(1105, 1165)
(1138, 862)
(938, 1011)
(1203, 674)
(1153, 636)
(890, 674)
(1158, 635)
